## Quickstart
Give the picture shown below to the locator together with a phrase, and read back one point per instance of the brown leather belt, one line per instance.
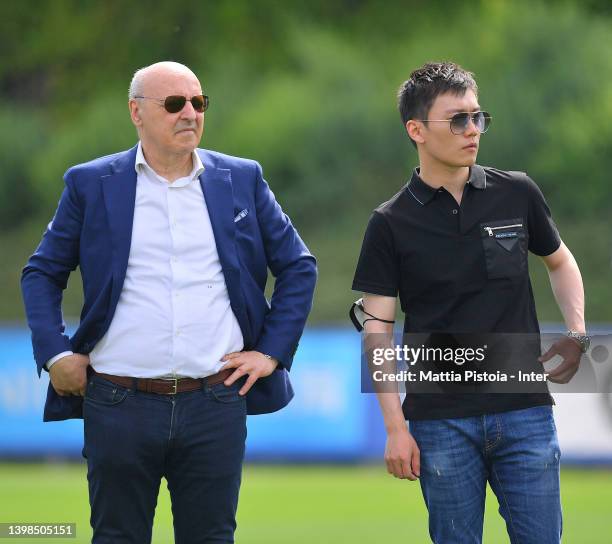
(167, 387)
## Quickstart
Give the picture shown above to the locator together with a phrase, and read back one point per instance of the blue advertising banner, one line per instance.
(329, 418)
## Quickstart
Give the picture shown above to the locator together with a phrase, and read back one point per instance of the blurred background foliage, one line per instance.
(308, 90)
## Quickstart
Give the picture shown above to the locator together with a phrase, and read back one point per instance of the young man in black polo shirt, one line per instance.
(453, 244)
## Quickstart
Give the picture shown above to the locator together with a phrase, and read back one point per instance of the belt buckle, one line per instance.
(176, 380)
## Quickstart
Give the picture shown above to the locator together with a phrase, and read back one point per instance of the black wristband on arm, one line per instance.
(357, 314)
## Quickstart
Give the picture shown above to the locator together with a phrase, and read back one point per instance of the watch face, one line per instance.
(583, 339)
(586, 342)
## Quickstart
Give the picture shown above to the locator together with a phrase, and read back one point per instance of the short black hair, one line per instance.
(418, 93)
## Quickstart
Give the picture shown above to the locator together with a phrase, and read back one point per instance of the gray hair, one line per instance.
(136, 85)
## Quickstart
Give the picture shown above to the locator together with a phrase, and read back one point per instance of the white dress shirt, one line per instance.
(173, 317)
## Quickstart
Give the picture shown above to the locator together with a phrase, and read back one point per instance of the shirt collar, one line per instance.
(196, 171)
(424, 193)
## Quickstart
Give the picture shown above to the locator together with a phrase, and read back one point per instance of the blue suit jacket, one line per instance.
(92, 229)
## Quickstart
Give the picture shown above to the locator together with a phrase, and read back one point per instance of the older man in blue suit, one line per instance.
(176, 341)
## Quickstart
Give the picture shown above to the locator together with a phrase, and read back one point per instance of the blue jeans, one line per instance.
(517, 452)
(133, 439)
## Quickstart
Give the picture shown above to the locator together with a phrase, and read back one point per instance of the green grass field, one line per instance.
(303, 504)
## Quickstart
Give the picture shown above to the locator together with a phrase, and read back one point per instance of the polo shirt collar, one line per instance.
(424, 193)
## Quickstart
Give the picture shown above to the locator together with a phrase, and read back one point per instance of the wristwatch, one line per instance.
(583, 339)
(270, 357)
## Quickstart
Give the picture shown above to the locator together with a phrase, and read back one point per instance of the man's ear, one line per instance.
(135, 112)
(415, 131)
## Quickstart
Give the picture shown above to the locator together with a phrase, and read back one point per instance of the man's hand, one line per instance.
(253, 363)
(69, 375)
(569, 349)
(402, 455)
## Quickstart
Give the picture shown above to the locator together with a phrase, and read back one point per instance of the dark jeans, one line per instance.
(133, 439)
(516, 452)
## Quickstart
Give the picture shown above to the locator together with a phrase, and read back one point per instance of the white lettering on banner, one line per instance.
(21, 391)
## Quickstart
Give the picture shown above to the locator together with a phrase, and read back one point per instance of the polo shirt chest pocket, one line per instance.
(505, 247)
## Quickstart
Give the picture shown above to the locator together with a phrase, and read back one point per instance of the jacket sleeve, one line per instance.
(295, 272)
(45, 277)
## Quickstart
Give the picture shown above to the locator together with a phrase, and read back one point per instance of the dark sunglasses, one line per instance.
(176, 103)
(460, 121)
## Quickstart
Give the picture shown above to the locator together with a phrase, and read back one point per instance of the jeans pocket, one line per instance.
(104, 392)
(505, 248)
(227, 394)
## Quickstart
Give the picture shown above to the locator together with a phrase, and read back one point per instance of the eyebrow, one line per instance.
(462, 110)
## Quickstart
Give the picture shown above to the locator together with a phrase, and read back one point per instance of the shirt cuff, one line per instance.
(54, 360)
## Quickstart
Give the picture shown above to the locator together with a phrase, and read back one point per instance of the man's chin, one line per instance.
(458, 159)
(461, 164)
(187, 140)
(471, 161)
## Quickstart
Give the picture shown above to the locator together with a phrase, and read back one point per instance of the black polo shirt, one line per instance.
(460, 269)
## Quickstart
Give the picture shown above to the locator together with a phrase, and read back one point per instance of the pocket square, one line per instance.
(241, 215)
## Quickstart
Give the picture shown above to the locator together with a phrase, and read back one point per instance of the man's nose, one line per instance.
(188, 111)
(471, 128)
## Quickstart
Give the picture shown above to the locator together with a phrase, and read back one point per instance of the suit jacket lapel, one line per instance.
(119, 189)
(218, 193)
(216, 186)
